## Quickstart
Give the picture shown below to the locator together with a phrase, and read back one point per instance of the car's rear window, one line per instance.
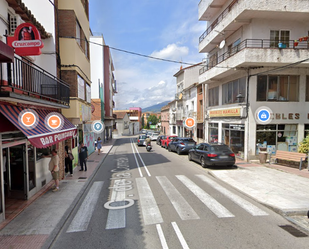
(218, 148)
(188, 139)
(142, 137)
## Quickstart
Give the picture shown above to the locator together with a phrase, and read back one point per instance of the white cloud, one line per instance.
(172, 52)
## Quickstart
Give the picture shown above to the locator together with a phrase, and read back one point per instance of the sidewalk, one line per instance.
(49, 208)
(281, 188)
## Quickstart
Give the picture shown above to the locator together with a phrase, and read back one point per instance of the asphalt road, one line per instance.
(158, 199)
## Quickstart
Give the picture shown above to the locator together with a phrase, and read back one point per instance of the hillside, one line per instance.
(155, 108)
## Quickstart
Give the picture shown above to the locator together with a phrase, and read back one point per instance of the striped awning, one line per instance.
(40, 136)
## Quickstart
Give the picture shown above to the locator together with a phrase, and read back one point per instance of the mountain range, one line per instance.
(155, 108)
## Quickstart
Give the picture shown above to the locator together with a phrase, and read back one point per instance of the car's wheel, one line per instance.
(178, 151)
(169, 149)
(203, 163)
(189, 157)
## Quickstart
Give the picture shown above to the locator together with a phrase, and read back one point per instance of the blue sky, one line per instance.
(167, 29)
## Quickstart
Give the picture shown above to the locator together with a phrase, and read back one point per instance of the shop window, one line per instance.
(213, 132)
(276, 137)
(42, 152)
(277, 88)
(214, 96)
(232, 89)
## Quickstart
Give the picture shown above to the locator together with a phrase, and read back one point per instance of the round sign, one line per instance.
(190, 122)
(28, 119)
(97, 126)
(54, 121)
(263, 115)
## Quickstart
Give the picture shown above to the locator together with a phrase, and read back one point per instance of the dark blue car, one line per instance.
(181, 145)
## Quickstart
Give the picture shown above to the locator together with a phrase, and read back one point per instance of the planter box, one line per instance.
(281, 45)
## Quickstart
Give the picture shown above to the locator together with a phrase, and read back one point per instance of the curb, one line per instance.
(48, 243)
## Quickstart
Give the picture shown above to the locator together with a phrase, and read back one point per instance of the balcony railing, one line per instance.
(24, 77)
(218, 20)
(253, 43)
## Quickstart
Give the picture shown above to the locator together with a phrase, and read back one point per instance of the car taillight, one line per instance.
(232, 154)
(212, 155)
(182, 143)
(137, 140)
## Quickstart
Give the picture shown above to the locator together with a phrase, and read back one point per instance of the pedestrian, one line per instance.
(68, 161)
(83, 156)
(99, 145)
(54, 169)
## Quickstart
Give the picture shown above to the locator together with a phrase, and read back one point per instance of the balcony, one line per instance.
(241, 12)
(209, 8)
(25, 82)
(255, 52)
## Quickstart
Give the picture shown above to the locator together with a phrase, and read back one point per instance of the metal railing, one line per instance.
(24, 77)
(218, 20)
(253, 43)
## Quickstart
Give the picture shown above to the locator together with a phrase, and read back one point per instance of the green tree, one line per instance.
(152, 119)
(143, 121)
(304, 145)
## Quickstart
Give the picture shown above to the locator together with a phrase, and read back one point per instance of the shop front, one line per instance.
(24, 165)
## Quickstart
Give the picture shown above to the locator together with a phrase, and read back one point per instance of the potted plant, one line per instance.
(295, 43)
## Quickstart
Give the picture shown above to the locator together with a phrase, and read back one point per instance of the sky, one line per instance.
(167, 29)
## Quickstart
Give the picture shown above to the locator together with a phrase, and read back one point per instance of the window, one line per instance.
(213, 132)
(277, 36)
(78, 33)
(307, 88)
(81, 87)
(86, 48)
(232, 89)
(88, 96)
(214, 96)
(278, 88)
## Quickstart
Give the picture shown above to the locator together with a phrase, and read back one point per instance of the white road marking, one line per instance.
(180, 236)
(184, 210)
(117, 218)
(139, 169)
(147, 171)
(210, 202)
(249, 207)
(161, 237)
(150, 210)
(84, 214)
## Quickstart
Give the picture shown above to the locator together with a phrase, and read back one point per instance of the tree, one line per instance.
(143, 121)
(152, 119)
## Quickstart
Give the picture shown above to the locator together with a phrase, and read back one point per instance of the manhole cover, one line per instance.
(82, 177)
(294, 231)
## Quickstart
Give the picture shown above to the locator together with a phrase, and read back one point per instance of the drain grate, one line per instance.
(294, 231)
(82, 177)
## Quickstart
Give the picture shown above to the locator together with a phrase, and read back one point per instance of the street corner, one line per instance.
(301, 221)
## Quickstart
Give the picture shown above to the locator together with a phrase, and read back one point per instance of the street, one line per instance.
(158, 199)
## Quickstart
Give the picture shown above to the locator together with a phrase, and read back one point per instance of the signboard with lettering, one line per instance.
(231, 112)
(26, 40)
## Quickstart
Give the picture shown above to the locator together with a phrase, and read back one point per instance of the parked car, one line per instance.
(208, 154)
(154, 136)
(167, 140)
(160, 138)
(141, 140)
(181, 145)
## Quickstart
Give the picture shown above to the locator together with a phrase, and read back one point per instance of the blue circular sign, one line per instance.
(263, 115)
(97, 126)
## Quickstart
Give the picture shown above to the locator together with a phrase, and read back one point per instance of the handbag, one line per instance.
(71, 156)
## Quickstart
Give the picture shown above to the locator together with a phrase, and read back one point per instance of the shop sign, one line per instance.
(26, 40)
(231, 112)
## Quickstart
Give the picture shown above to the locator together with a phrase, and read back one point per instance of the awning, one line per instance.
(40, 136)
(6, 53)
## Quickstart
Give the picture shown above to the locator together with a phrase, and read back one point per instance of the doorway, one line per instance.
(17, 173)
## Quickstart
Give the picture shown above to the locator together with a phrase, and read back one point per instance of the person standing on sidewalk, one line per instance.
(54, 169)
(83, 156)
(68, 161)
(99, 145)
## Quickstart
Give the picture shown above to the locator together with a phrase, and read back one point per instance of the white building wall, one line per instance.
(96, 64)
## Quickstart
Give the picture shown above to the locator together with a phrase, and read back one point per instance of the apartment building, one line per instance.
(31, 95)
(256, 75)
(186, 99)
(104, 85)
(73, 34)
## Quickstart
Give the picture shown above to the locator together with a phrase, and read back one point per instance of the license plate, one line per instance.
(223, 157)
(144, 143)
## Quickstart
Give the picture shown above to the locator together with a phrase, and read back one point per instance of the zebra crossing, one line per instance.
(151, 212)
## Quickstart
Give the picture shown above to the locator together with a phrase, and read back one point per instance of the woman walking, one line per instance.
(99, 145)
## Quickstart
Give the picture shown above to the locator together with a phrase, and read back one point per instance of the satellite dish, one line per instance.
(222, 44)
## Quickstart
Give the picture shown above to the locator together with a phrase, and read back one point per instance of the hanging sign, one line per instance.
(26, 40)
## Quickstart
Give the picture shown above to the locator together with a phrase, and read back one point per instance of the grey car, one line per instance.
(141, 140)
(208, 154)
(181, 145)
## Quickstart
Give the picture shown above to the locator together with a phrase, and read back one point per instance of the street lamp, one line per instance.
(240, 98)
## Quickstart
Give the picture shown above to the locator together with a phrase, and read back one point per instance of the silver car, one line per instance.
(154, 136)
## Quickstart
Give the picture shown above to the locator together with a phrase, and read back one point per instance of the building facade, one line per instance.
(165, 118)
(31, 95)
(256, 75)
